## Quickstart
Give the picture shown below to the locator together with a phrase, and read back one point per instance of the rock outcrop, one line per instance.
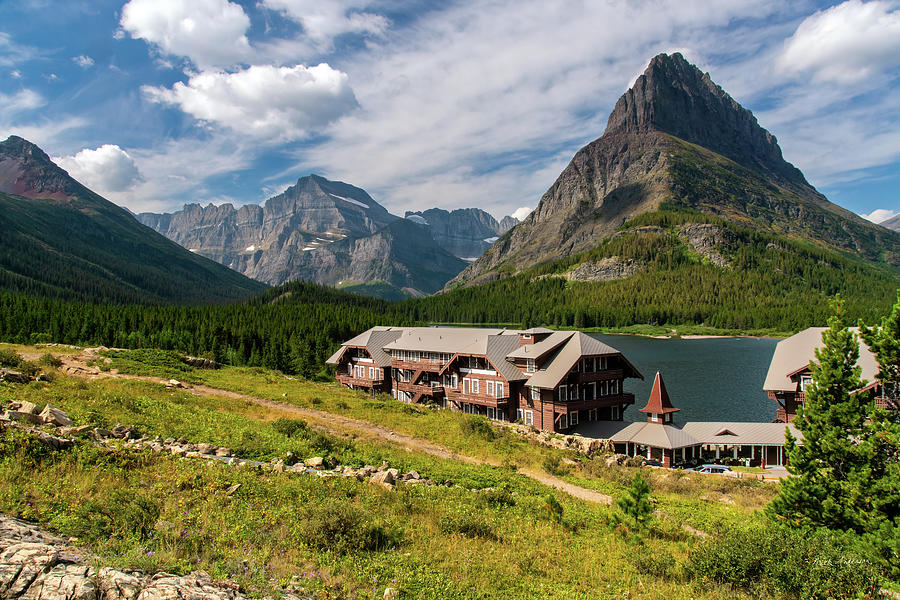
(464, 232)
(37, 565)
(318, 230)
(677, 137)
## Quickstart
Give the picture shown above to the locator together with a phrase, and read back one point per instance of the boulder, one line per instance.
(13, 376)
(316, 462)
(206, 448)
(74, 431)
(22, 417)
(27, 407)
(63, 582)
(223, 452)
(391, 594)
(54, 416)
(385, 478)
(116, 585)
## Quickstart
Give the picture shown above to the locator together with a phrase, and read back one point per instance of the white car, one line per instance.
(713, 469)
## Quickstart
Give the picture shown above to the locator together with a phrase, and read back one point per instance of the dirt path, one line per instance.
(76, 366)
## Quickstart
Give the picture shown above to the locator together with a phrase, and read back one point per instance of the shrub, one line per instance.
(48, 360)
(477, 426)
(554, 465)
(635, 504)
(290, 427)
(469, 525)
(122, 513)
(341, 527)
(809, 564)
(553, 508)
(8, 358)
(29, 368)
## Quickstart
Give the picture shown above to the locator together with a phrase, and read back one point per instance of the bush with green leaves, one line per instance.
(9, 358)
(471, 525)
(341, 526)
(808, 564)
(290, 427)
(478, 426)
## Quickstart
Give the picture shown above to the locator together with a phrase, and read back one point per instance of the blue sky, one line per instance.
(155, 103)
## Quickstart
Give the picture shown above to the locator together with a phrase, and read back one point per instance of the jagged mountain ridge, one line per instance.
(893, 223)
(677, 137)
(464, 232)
(318, 230)
(60, 239)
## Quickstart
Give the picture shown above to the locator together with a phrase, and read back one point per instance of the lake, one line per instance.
(714, 379)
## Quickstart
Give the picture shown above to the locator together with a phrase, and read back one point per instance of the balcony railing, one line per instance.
(360, 381)
(481, 399)
(599, 375)
(415, 365)
(600, 402)
(419, 388)
(887, 403)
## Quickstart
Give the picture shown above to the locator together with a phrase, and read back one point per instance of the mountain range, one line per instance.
(336, 234)
(893, 223)
(677, 139)
(59, 239)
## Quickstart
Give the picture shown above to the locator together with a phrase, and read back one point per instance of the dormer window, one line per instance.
(805, 380)
(529, 365)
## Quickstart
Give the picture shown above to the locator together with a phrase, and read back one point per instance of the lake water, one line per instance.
(717, 379)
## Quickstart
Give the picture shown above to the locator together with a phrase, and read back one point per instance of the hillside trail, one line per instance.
(76, 365)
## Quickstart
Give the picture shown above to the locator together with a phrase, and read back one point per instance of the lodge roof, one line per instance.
(449, 340)
(793, 355)
(694, 433)
(577, 345)
(659, 402)
(374, 340)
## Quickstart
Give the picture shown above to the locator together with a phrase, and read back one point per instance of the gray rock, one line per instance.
(22, 417)
(63, 582)
(316, 462)
(223, 452)
(54, 416)
(116, 585)
(28, 407)
(206, 448)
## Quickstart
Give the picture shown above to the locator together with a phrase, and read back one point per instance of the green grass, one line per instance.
(153, 512)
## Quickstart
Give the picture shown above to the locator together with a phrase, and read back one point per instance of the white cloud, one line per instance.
(501, 92)
(521, 212)
(280, 103)
(105, 169)
(21, 101)
(846, 43)
(880, 215)
(211, 33)
(323, 21)
(15, 74)
(83, 61)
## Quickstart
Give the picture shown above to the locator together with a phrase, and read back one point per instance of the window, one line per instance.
(563, 422)
(614, 387)
(371, 372)
(805, 380)
(350, 369)
(454, 381)
(466, 385)
(520, 415)
(615, 413)
(489, 388)
(563, 391)
(654, 417)
(474, 386)
(535, 394)
(529, 417)
(573, 418)
(499, 388)
(529, 365)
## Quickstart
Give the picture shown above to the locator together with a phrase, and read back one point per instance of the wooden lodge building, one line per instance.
(660, 438)
(553, 380)
(789, 374)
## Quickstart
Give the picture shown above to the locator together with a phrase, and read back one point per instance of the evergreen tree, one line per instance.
(635, 504)
(830, 467)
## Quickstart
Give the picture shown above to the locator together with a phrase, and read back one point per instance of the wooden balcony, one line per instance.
(359, 381)
(599, 376)
(480, 399)
(417, 388)
(601, 402)
(887, 403)
(423, 365)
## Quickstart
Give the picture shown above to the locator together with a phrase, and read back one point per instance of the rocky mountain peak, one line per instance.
(673, 96)
(26, 170)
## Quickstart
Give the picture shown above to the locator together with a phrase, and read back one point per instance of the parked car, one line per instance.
(712, 469)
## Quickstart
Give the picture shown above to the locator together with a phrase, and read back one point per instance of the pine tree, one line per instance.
(830, 467)
(635, 504)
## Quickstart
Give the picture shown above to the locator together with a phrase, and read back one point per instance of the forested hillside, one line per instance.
(293, 337)
(677, 266)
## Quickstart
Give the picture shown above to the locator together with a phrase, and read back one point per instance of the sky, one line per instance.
(158, 103)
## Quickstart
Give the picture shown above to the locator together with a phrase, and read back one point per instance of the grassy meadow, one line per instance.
(486, 531)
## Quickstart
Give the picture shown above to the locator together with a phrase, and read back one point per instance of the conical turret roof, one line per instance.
(659, 402)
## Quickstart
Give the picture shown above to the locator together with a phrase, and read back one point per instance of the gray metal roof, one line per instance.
(498, 348)
(694, 433)
(543, 347)
(794, 354)
(374, 340)
(577, 346)
(451, 340)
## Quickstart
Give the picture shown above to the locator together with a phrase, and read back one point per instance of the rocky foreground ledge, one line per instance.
(36, 565)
